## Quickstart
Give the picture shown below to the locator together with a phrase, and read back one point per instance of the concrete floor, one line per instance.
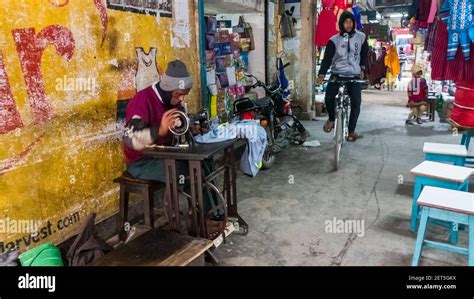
(287, 221)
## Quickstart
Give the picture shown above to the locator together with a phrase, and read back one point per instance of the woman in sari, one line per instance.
(393, 67)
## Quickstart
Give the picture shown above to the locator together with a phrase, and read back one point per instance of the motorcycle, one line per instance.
(275, 115)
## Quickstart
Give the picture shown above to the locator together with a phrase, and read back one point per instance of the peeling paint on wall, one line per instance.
(181, 28)
(63, 67)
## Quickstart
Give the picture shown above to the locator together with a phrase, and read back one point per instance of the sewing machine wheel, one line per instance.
(181, 125)
(216, 225)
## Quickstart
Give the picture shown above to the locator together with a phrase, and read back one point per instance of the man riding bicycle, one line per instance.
(346, 53)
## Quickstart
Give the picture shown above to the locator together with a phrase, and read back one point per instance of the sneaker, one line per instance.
(418, 121)
(409, 122)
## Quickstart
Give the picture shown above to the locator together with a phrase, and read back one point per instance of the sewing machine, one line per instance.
(183, 137)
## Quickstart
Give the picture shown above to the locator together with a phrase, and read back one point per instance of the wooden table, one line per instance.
(157, 248)
(431, 107)
(195, 156)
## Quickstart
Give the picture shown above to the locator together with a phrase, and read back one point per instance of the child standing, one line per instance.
(417, 95)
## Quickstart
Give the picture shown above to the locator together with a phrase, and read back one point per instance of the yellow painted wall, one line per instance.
(70, 161)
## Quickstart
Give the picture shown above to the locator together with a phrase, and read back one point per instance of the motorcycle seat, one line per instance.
(263, 102)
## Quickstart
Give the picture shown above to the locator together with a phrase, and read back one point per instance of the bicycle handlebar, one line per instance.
(350, 81)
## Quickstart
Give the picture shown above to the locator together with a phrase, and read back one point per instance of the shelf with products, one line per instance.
(227, 60)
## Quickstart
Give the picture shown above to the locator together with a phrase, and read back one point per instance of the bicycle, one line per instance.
(341, 125)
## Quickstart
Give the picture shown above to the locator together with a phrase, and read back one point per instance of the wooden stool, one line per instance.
(145, 189)
(445, 205)
(439, 175)
(448, 153)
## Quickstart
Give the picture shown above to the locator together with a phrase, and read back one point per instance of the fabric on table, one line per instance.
(256, 137)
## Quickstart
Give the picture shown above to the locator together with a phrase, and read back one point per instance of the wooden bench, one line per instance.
(158, 248)
(439, 175)
(449, 153)
(445, 205)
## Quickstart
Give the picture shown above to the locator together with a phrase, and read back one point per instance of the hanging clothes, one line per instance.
(422, 16)
(287, 26)
(462, 115)
(442, 69)
(358, 16)
(340, 7)
(431, 36)
(438, 60)
(326, 27)
(371, 59)
(433, 11)
(457, 14)
(147, 72)
(412, 11)
(378, 70)
(343, 5)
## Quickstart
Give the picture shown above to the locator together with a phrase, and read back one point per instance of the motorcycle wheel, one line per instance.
(268, 159)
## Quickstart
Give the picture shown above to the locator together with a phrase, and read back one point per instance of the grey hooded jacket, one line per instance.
(347, 57)
(346, 52)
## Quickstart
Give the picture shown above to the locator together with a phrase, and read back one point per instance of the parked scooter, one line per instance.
(274, 114)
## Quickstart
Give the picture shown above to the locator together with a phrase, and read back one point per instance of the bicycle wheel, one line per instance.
(338, 139)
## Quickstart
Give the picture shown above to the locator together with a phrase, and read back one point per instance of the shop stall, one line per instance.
(231, 51)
